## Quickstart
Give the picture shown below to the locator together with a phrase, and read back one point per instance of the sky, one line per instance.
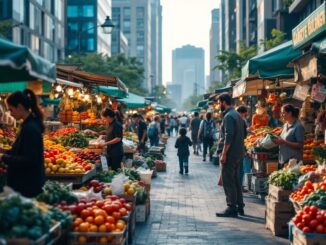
(185, 22)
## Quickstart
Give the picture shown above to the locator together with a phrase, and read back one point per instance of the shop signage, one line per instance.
(301, 92)
(318, 92)
(309, 28)
(305, 68)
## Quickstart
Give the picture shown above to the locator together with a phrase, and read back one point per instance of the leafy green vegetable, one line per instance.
(283, 178)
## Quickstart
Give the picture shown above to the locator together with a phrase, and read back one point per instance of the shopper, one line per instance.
(182, 144)
(231, 146)
(154, 131)
(206, 132)
(162, 124)
(167, 125)
(141, 131)
(183, 121)
(114, 136)
(194, 128)
(25, 160)
(292, 137)
(173, 125)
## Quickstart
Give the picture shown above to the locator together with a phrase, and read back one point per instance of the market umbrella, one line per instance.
(272, 63)
(18, 63)
(134, 101)
(162, 109)
(202, 103)
(112, 92)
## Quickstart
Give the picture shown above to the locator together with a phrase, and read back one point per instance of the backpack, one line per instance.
(209, 129)
(152, 131)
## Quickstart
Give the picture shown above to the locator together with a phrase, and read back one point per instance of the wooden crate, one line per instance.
(299, 238)
(76, 179)
(278, 194)
(259, 184)
(143, 211)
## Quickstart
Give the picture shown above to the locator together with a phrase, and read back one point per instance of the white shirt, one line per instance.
(183, 120)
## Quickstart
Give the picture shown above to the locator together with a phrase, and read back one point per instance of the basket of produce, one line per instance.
(75, 178)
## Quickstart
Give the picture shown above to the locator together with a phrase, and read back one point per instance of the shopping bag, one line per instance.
(268, 142)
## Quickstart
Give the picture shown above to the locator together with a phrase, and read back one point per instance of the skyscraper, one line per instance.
(241, 27)
(222, 34)
(251, 22)
(133, 18)
(82, 19)
(188, 70)
(38, 25)
(214, 47)
(230, 25)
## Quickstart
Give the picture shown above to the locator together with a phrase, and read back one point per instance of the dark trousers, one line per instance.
(142, 148)
(208, 144)
(231, 183)
(184, 163)
(154, 141)
(114, 162)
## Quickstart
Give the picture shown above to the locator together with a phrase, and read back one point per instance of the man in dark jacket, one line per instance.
(231, 150)
(141, 131)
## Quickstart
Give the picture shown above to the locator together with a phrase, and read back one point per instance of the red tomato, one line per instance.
(313, 209)
(306, 218)
(306, 229)
(300, 225)
(129, 207)
(320, 218)
(100, 203)
(108, 208)
(114, 197)
(320, 229)
(313, 223)
(122, 200)
(85, 213)
(306, 209)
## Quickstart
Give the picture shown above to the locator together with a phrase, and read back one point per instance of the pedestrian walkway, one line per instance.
(183, 210)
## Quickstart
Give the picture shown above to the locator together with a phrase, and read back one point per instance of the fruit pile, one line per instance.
(50, 145)
(310, 144)
(77, 140)
(311, 220)
(100, 216)
(307, 168)
(251, 140)
(64, 162)
(7, 138)
(97, 187)
(90, 156)
(62, 132)
(317, 199)
(301, 193)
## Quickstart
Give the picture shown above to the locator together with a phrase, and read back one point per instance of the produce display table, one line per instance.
(76, 179)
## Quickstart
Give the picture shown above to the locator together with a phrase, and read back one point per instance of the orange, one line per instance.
(103, 240)
(102, 228)
(90, 219)
(77, 222)
(110, 227)
(110, 220)
(93, 228)
(123, 212)
(83, 227)
(100, 212)
(120, 225)
(116, 215)
(82, 239)
(99, 220)
(117, 230)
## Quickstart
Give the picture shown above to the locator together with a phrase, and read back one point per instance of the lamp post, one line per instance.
(107, 29)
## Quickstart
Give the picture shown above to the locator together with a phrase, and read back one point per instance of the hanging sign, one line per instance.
(318, 92)
(301, 92)
(311, 27)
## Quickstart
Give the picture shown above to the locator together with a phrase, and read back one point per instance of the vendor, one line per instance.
(25, 160)
(113, 139)
(261, 118)
(291, 139)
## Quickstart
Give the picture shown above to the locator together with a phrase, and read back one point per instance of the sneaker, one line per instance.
(228, 213)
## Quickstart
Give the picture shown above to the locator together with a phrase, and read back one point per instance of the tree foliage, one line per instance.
(191, 102)
(278, 37)
(5, 28)
(129, 70)
(162, 96)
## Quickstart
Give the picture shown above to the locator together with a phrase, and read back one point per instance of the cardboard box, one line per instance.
(278, 194)
(142, 212)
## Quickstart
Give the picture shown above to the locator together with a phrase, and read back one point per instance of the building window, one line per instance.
(88, 11)
(140, 36)
(115, 11)
(126, 25)
(73, 43)
(126, 13)
(89, 26)
(18, 10)
(90, 44)
(140, 12)
(140, 50)
(72, 11)
(72, 27)
(35, 44)
(140, 23)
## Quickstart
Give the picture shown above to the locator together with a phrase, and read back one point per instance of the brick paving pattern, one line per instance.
(183, 210)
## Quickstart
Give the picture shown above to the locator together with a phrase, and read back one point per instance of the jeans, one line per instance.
(114, 162)
(154, 141)
(183, 163)
(245, 167)
(208, 144)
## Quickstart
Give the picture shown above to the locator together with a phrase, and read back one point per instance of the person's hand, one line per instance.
(279, 141)
(223, 158)
(103, 145)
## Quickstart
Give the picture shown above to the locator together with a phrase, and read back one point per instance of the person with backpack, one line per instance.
(206, 132)
(182, 144)
(194, 128)
(154, 132)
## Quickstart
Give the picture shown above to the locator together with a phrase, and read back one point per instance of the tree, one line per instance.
(191, 102)
(128, 70)
(162, 96)
(5, 28)
(215, 85)
(278, 37)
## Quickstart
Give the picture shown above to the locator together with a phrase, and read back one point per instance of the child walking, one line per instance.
(182, 144)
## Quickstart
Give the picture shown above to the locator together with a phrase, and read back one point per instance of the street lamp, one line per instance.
(107, 29)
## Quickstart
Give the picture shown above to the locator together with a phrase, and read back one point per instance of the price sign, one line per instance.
(301, 92)
(104, 163)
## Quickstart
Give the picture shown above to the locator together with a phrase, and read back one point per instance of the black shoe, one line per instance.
(180, 172)
(241, 212)
(228, 213)
(194, 152)
(204, 159)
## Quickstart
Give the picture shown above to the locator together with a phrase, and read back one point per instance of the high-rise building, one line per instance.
(156, 40)
(174, 93)
(230, 25)
(133, 18)
(188, 70)
(241, 25)
(38, 25)
(303, 8)
(214, 47)
(82, 32)
(251, 23)
(266, 21)
(222, 34)
(119, 43)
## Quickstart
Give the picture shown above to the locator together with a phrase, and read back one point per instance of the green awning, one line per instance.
(134, 101)
(20, 86)
(202, 103)
(112, 92)
(18, 63)
(162, 109)
(195, 110)
(272, 63)
(319, 47)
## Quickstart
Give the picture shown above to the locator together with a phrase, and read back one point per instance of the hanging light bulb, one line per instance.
(56, 96)
(58, 88)
(70, 92)
(99, 100)
(86, 97)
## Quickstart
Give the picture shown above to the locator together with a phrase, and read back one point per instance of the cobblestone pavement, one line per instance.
(183, 210)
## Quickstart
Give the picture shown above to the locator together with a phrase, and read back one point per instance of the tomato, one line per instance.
(122, 200)
(117, 203)
(110, 227)
(300, 225)
(80, 207)
(93, 228)
(320, 218)
(116, 215)
(90, 219)
(100, 212)
(320, 229)
(85, 213)
(83, 227)
(100, 203)
(103, 240)
(110, 219)
(114, 197)
(306, 209)
(120, 224)
(313, 223)
(306, 218)
(108, 209)
(313, 209)
(115, 207)
(102, 228)
(306, 229)
(99, 220)
(123, 212)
